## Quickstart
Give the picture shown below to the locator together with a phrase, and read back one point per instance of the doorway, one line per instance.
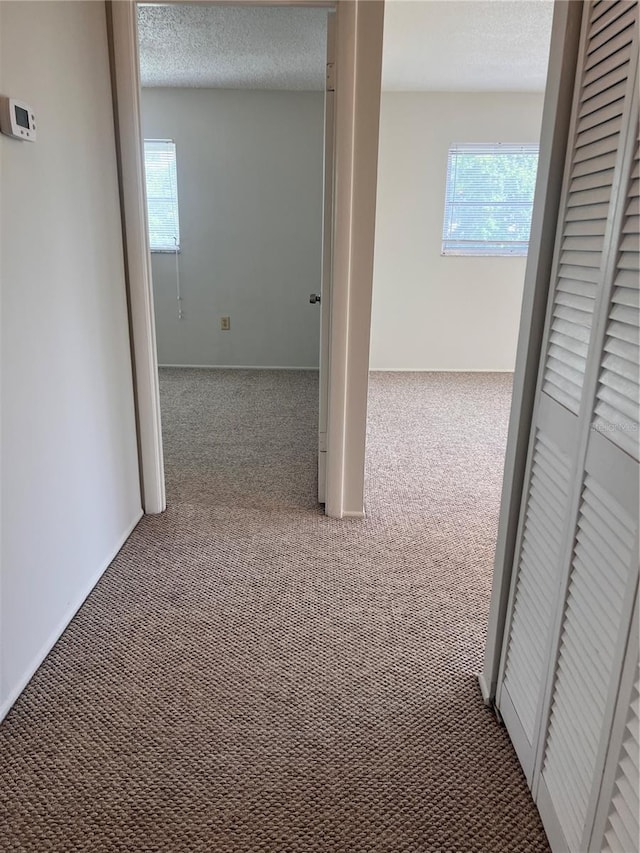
(234, 112)
(456, 183)
(358, 55)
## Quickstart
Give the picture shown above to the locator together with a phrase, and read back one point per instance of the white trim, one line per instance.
(517, 734)
(71, 611)
(123, 31)
(565, 38)
(484, 689)
(357, 515)
(359, 70)
(328, 214)
(237, 367)
(549, 818)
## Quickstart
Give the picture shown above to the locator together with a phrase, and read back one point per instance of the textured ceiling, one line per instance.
(429, 45)
(232, 47)
(466, 45)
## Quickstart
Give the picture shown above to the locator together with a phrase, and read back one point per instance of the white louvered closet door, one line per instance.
(595, 621)
(576, 571)
(601, 118)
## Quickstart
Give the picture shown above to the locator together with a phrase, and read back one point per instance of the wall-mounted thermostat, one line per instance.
(17, 119)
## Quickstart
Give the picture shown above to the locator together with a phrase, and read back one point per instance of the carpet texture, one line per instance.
(251, 676)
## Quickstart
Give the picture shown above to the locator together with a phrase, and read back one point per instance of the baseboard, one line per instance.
(357, 514)
(440, 370)
(64, 622)
(484, 689)
(237, 367)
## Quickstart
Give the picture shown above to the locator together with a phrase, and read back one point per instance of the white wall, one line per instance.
(250, 200)
(432, 312)
(70, 487)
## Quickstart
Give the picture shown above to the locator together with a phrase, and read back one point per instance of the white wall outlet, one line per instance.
(225, 323)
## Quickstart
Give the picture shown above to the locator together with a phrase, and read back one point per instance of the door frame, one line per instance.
(327, 252)
(359, 25)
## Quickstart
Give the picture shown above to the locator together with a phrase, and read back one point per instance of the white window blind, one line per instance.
(489, 199)
(162, 195)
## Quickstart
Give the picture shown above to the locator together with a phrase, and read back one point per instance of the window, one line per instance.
(162, 195)
(489, 199)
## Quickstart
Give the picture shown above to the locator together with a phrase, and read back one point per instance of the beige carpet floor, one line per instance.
(251, 676)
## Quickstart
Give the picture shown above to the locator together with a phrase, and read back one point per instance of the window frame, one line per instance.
(484, 248)
(174, 199)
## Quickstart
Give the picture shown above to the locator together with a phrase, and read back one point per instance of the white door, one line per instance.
(327, 255)
(575, 578)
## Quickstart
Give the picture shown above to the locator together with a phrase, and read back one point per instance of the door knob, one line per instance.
(314, 297)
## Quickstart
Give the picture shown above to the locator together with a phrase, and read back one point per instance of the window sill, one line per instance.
(165, 251)
(454, 254)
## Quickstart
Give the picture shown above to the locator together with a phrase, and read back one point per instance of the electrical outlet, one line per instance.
(225, 323)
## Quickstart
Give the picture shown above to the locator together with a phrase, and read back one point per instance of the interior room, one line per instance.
(451, 79)
(232, 104)
(460, 122)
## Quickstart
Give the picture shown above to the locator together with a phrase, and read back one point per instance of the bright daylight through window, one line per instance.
(162, 195)
(489, 199)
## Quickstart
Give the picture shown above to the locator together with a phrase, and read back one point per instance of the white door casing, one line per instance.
(359, 72)
(327, 255)
(123, 31)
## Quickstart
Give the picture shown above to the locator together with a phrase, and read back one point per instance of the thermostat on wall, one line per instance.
(17, 119)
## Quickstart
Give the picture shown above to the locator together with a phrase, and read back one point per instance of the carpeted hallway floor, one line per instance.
(251, 676)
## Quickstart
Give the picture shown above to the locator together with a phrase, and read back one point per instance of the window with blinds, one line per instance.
(162, 195)
(489, 199)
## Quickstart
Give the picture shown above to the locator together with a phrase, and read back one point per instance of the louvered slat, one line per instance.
(619, 34)
(593, 134)
(601, 106)
(608, 12)
(617, 407)
(622, 830)
(619, 20)
(537, 577)
(590, 626)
